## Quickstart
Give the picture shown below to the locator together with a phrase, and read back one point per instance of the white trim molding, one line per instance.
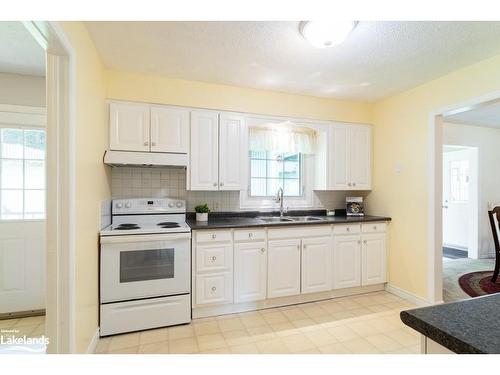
(410, 297)
(93, 342)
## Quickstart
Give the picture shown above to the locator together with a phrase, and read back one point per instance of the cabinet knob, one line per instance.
(221, 184)
(353, 184)
(146, 143)
(214, 258)
(214, 289)
(374, 227)
(153, 143)
(304, 246)
(359, 242)
(364, 242)
(215, 183)
(250, 235)
(214, 236)
(262, 250)
(348, 229)
(349, 184)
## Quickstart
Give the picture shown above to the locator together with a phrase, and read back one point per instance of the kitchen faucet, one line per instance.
(279, 199)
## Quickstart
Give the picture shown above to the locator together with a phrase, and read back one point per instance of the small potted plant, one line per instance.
(202, 211)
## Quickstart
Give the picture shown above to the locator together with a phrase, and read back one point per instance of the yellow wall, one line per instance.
(163, 90)
(92, 180)
(400, 137)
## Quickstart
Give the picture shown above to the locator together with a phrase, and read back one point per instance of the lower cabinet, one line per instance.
(214, 288)
(283, 268)
(346, 261)
(373, 259)
(316, 275)
(250, 271)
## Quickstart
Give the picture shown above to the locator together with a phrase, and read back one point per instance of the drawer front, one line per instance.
(249, 235)
(374, 227)
(347, 229)
(214, 258)
(299, 232)
(214, 288)
(212, 236)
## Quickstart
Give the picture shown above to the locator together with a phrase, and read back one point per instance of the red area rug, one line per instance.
(479, 283)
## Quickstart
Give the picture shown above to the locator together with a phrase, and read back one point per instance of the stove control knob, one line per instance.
(170, 205)
(128, 205)
(119, 205)
(179, 204)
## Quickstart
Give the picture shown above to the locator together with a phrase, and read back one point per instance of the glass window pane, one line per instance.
(34, 143)
(274, 169)
(292, 188)
(273, 184)
(34, 174)
(258, 168)
(12, 204)
(12, 174)
(12, 143)
(34, 204)
(143, 265)
(291, 170)
(257, 154)
(258, 187)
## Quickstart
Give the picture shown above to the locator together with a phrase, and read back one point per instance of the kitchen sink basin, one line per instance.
(305, 218)
(274, 219)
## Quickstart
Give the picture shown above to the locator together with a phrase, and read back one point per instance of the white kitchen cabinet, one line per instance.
(373, 259)
(129, 128)
(204, 155)
(316, 275)
(346, 261)
(169, 129)
(283, 264)
(230, 151)
(216, 288)
(360, 157)
(250, 271)
(339, 158)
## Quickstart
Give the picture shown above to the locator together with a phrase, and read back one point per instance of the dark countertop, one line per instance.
(465, 327)
(249, 219)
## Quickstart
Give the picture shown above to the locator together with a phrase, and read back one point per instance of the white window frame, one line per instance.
(306, 201)
(23, 117)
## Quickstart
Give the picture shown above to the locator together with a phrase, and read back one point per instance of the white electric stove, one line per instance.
(145, 260)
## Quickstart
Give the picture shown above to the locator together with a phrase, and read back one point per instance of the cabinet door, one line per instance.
(339, 157)
(346, 261)
(215, 257)
(317, 270)
(373, 259)
(204, 151)
(250, 272)
(283, 268)
(214, 288)
(230, 151)
(360, 157)
(129, 127)
(169, 129)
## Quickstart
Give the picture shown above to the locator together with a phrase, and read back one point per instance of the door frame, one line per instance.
(435, 189)
(60, 211)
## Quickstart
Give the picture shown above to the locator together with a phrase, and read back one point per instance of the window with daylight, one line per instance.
(22, 177)
(270, 170)
(459, 180)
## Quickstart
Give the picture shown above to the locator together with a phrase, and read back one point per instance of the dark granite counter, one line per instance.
(221, 220)
(469, 326)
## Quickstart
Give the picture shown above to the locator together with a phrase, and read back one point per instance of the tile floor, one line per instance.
(362, 324)
(31, 327)
(454, 268)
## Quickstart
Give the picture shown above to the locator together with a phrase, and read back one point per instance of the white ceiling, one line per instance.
(377, 60)
(484, 115)
(19, 52)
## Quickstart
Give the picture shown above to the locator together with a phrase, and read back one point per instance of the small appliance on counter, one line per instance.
(354, 206)
(145, 266)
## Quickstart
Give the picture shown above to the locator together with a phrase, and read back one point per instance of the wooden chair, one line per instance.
(495, 212)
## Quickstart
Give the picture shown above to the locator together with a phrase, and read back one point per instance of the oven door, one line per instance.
(142, 266)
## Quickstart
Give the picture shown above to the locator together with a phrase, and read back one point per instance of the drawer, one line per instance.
(214, 258)
(299, 232)
(347, 229)
(213, 236)
(373, 227)
(214, 288)
(249, 235)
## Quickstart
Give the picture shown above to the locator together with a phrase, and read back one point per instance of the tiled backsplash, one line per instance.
(171, 182)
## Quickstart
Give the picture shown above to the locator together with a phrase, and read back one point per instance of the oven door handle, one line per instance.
(146, 237)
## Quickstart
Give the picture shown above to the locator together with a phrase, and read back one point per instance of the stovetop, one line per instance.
(118, 229)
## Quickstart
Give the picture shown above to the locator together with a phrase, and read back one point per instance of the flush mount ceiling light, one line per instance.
(323, 34)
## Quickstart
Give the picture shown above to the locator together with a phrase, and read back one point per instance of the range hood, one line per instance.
(144, 159)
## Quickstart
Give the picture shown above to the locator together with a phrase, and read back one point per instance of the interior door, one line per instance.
(316, 265)
(204, 155)
(283, 275)
(169, 129)
(230, 151)
(456, 198)
(129, 127)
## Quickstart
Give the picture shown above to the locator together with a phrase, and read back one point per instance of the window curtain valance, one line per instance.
(283, 137)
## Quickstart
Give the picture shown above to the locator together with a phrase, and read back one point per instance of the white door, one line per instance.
(346, 261)
(317, 270)
(456, 198)
(250, 272)
(169, 129)
(360, 157)
(231, 129)
(339, 157)
(373, 259)
(283, 268)
(204, 151)
(129, 127)
(22, 266)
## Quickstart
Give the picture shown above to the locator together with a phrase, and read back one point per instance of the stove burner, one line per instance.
(127, 226)
(172, 225)
(167, 223)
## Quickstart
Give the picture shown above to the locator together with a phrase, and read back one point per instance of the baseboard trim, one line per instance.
(410, 297)
(93, 342)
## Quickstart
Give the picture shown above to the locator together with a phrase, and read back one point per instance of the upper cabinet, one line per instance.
(217, 151)
(347, 163)
(148, 128)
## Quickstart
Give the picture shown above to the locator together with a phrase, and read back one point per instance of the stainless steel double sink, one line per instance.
(288, 219)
